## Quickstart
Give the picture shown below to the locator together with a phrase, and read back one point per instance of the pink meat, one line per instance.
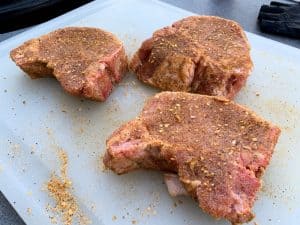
(213, 149)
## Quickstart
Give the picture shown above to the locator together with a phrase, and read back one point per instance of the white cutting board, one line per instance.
(40, 126)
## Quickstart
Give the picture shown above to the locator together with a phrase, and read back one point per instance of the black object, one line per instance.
(15, 14)
(280, 18)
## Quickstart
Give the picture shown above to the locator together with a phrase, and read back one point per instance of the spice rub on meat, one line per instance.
(87, 62)
(200, 54)
(215, 150)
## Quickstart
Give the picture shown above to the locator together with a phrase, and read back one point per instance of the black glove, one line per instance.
(280, 18)
(15, 14)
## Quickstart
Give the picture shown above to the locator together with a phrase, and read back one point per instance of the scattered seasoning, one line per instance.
(246, 147)
(217, 131)
(29, 211)
(180, 201)
(53, 219)
(133, 221)
(93, 207)
(59, 189)
(234, 142)
(192, 164)
(114, 218)
(24, 102)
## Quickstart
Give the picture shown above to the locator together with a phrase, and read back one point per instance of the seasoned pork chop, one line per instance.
(213, 149)
(201, 54)
(86, 61)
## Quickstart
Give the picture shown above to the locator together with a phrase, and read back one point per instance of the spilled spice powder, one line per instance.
(59, 189)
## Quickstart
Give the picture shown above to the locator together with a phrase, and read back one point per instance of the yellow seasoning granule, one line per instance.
(59, 189)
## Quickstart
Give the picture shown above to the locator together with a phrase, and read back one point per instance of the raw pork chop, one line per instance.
(201, 54)
(86, 61)
(215, 150)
